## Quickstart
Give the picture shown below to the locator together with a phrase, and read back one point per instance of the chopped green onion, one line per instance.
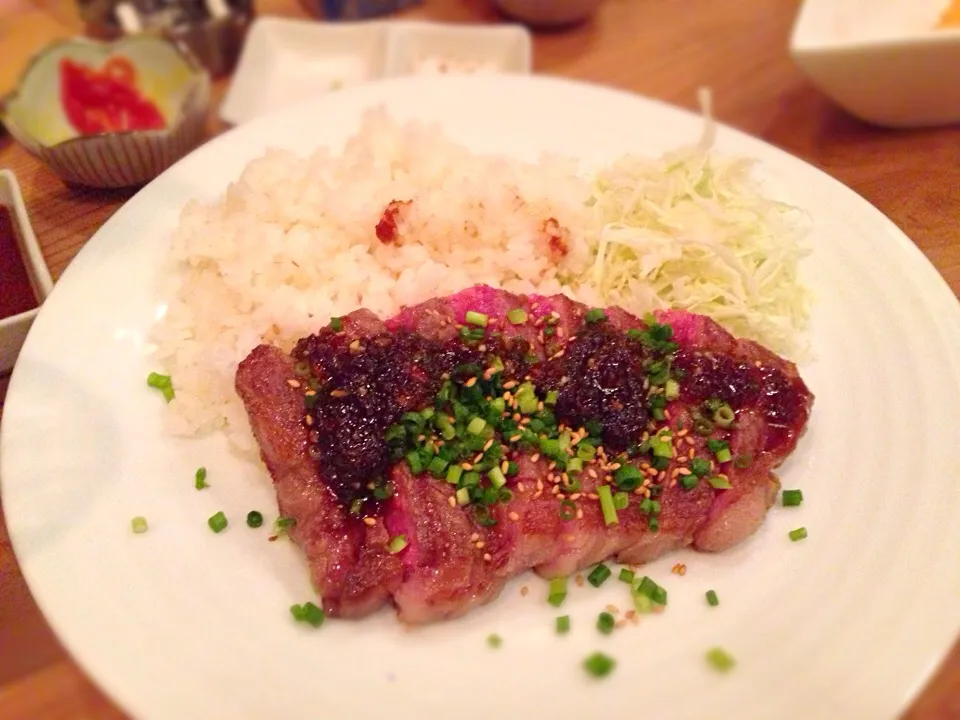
(605, 623)
(641, 603)
(512, 468)
(648, 587)
(626, 575)
(139, 524)
(586, 451)
(598, 576)
(558, 591)
(282, 524)
(599, 665)
(497, 478)
(453, 474)
(526, 398)
(716, 446)
(163, 383)
(798, 534)
(568, 509)
(698, 466)
(688, 482)
(494, 640)
(661, 446)
(551, 398)
(308, 613)
(563, 624)
(476, 426)
(217, 522)
(463, 496)
(415, 463)
(671, 390)
(595, 315)
(792, 498)
(724, 456)
(743, 461)
(627, 477)
(606, 505)
(719, 483)
(254, 519)
(200, 478)
(712, 599)
(470, 479)
(720, 659)
(397, 543)
(476, 318)
(724, 416)
(621, 500)
(437, 466)
(517, 316)
(654, 524)
(336, 324)
(574, 465)
(498, 404)
(702, 426)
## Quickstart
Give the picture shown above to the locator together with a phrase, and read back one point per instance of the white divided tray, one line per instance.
(284, 61)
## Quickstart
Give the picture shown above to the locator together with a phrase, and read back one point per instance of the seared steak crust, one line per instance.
(323, 415)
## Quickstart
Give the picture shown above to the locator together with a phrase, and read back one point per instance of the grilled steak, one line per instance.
(427, 459)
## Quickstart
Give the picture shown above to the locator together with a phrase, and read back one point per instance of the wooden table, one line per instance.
(661, 48)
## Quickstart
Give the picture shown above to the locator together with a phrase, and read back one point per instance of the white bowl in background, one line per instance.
(884, 61)
(14, 329)
(284, 61)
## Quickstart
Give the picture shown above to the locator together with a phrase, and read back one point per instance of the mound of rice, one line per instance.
(293, 243)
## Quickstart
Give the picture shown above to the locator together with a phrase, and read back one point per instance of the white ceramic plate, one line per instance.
(181, 623)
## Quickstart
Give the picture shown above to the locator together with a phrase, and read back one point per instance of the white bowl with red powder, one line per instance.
(109, 115)
(26, 279)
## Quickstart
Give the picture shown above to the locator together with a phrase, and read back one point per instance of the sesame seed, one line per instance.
(683, 471)
(487, 557)
(537, 494)
(557, 355)
(513, 516)
(369, 521)
(524, 590)
(679, 569)
(355, 345)
(474, 537)
(551, 477)
(338, 393)
(514, 438)
(552, 466)
(504, 466)
(521, 487)
(690, 441)
(662, 476)
(612, 609)
(579, 514)
(534, 457)
(575, 496)
(620, 624)
(692, 454)
(293, 383)
(592, 473)
(487, 444)
(630, 614)
(683, 433)
(517, 417)
(555, 489)
(614, 466)
(579, 580)
(470, 382)
(540, 406)
(480, 544)
(308, 419)
(452, 501)
(509, 385)
(539, 484)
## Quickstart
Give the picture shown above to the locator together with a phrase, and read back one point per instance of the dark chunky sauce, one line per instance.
(601, 377)
(364, 386)
(739, 384)
(359, 388)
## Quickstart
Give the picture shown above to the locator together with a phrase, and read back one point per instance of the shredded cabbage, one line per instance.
(692, 230)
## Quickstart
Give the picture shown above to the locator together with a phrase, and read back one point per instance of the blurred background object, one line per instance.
(356, 9)
(109, 114)
(214, 30)
(549, 13)
(895, 66)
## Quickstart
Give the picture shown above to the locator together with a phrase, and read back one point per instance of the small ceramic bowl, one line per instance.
(14, 328)
(889, 63)
(166, 74)
(549, 13)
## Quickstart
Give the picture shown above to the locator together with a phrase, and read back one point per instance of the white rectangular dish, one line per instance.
(14, 329)
(884, 61)
(284, 61)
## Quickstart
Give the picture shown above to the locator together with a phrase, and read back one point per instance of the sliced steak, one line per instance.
(431, 457)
